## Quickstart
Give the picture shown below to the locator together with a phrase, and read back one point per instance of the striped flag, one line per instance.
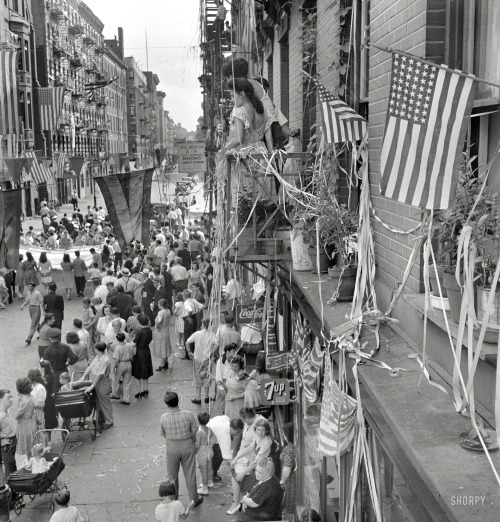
(59, 164)
(341, 123)
(39, 172)
(128, 201)
(429, 109)
(338, 416)
(50, 101)
(310, 372)
(296, 349)
(9, 117)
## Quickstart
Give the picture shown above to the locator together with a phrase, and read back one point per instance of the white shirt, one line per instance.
(170, 512)
(102, 292)
(110, 334)
(84, 337)
(161, 237)
(69, 514)
(109, 279)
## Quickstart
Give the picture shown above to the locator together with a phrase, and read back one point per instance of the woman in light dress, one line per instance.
(68, 278)
(161, 335)
(80, 349)
(45, 267)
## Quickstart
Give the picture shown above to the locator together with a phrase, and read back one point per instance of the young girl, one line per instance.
(37, 463)
(205, 440)
(179, 319)
(171, 510)
(64, 380)
(252, 391)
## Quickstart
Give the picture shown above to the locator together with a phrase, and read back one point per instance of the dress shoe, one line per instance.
(196, 401)
(28, 341)
(145, 393)
(106, 426)
(197, 502)
(138, 395)
(125, 402)
(234, 510)
(207, 400)
(217, 478)
(115, 398)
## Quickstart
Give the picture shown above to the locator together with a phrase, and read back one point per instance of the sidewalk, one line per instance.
(116, 477)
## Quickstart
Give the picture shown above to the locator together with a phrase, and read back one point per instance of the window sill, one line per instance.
(417, 301)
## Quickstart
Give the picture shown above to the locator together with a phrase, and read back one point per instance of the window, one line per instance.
(270, 75)
(22, 109)
(132, 110)
(29, 117)
(284, 78)
(15, 5)
(26, 56)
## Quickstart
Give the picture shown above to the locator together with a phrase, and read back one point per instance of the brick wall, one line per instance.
(400, 24)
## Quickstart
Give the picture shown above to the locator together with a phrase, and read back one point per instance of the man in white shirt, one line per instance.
(160, 251)
(84, 337)
(129, 284)
(110, 335)
(109, 278)
(100, 291)
(160, 236)
(179, 275)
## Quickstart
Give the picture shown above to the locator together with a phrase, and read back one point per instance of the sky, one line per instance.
(169, 23)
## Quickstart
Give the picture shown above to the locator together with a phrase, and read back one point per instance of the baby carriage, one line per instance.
(24, 482)
(77, 408)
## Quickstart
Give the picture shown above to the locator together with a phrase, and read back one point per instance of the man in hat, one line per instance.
(59, 355)
(54, 304)
(34, 300)
(129, 284)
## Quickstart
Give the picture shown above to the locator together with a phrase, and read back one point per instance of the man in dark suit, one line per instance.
(54, 304)
(185, 255)
(123, 302)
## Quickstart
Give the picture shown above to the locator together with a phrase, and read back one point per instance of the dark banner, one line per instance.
(15, 167)
(77, 164)
(128, 201)
(10, 227)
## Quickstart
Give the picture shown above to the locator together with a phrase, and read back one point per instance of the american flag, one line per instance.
(297, 347)
(310, 371)
(59, 165)
(341, 123)
(39, 172)
(338, 416)
(429, 109)
(9, 117)
(50, 100)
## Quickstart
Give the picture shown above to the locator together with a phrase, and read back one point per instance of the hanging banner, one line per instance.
(77, 164)
(248, 313)
(274, 392)
(15, 166)
(11, 203)
(192, 157)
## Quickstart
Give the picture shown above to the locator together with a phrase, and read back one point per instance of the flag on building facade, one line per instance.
(310, 371)
(9, 116)
(341, 123)
(128, 201)
(337, 424)
(296, 350)
(428, 114)
(50, 101)
(10, 226)
(39, 172)
(60, 164)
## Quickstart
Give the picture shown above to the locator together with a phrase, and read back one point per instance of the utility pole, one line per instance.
(147, 53)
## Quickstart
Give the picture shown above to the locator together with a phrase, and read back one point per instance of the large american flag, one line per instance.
(39, 172)
(50, 100)
(9, 117)
(60, 164)
(429, 108)
(337, 424)
(310, 371)
(341, 123)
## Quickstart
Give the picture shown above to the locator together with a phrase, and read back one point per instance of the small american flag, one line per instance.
(39, 172)
(341, 123)
(296, 350)
(429, 108)
(9, 117)
(337, 424)
(60, 164)
(50, 100)
(310, 372)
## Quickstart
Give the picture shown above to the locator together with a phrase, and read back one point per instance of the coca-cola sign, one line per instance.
(249, 313)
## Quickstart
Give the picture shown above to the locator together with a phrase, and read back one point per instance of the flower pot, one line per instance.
(454, 292)
(301, 261)
(433, 280)
(271, 246)
(347, 283)
(439, 304)
(324, 260)
(483, 294)
(490, 335)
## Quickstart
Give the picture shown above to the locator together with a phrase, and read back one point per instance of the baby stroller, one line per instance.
(78, 408)
(24, 482)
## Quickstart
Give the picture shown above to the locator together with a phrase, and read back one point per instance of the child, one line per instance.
(95, 273)
(179, 319)
(64, 380)
(252, 391)
(171, 510)
(65, 511)
(37, 463)
(205, 440)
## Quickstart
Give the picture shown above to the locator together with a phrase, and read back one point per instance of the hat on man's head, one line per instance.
(125, 271)
(53, 333)
(146, 270)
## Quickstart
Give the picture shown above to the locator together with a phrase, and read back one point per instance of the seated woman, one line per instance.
(263, 501)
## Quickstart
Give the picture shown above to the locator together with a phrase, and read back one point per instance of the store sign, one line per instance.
(249, 313)
(277, 362)
(192, 157)
(274, 392)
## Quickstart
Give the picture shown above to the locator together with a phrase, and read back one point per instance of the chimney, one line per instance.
(120, 42)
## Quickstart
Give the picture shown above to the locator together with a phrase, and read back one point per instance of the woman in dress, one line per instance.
(98, 372)
(222, 370)
(105, 255)
(20, 276)
(179, 319)
(208, 272)
(49, 409)
(196, 276)
(30, 270)
(161, 336)
(45, 267)
(38, 396)
(67, 273)
(236, 383)
(288, 465)
(44, 341)
(26, 421)
(80, 349)
(103, 322)
(65, 240)
(252, 392)
(142, 364)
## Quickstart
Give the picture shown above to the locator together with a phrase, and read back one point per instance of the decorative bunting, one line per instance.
(15, 167)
